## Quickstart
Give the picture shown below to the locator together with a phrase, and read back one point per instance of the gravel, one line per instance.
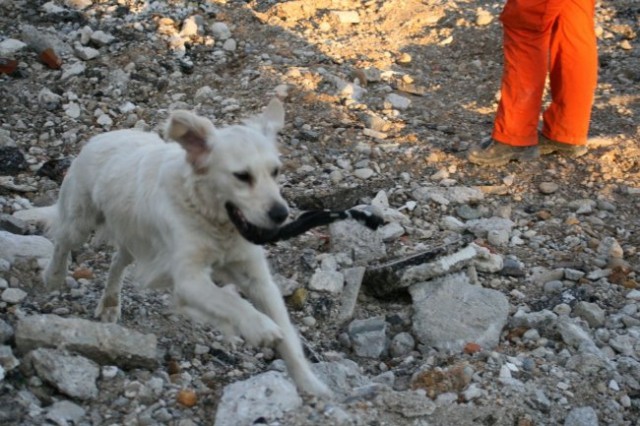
(537, 323)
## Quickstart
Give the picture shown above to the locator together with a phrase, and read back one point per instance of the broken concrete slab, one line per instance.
(266, 396)
(104, 343)
(352, 283)
(72, 375)
(449, 312)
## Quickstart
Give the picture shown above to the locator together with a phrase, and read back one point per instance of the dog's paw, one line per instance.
(107, 313)
(260, 331)
(54, 281)
(312, 386)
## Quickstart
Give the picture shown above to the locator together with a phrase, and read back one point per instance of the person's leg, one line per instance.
(527, 37)
(573, 74)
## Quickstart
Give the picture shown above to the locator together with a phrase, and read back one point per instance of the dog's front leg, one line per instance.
(197, 293)
(254, 279)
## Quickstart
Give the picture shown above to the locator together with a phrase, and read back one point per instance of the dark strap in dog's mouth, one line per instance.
(304, 222)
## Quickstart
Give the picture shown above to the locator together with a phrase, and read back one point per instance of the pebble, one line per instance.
(548, 187)
(13, 295)
(397, 101)
(364, 173)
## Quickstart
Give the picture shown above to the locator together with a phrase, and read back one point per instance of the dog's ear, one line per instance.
(193, 133)
(272, 118)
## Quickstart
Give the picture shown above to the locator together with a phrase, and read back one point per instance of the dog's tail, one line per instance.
(43, 217)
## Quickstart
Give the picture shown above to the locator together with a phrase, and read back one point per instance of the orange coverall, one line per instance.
(541, 37)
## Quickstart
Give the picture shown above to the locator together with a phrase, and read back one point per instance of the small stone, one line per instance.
(329, 281)
(6, 331)
(65, 412)
(593, 314)
(101, 38)
(397, 101)
(104, 120)
(573, 274)
(187, 397)
(13, 295)
(391, 231)
(82, 273)
(72, 110)
(401, 345)
(9, 46)
(548, 187)
(72, 375)
(633, 295)
(583, 416)
(230, 45)
(471, 348)
(553, 287)
(483, 18)
(346, 16)
(368, 336)
(364, 173)
(85, 53)
(220, 31)
(498, 237)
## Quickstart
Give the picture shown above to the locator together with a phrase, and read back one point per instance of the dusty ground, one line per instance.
(441, 56)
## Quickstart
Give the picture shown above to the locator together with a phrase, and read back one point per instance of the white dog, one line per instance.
(179, 211)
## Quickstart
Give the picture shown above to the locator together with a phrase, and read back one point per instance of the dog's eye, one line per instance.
(275, 172)
(243, 177)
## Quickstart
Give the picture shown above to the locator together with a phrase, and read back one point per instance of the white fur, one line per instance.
(162, 206)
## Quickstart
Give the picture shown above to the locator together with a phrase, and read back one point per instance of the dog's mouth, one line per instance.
(250, 232)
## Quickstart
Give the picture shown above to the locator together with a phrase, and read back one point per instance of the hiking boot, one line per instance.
(548, 146)
(494, 153)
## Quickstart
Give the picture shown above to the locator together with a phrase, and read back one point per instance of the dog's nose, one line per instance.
(278, 213)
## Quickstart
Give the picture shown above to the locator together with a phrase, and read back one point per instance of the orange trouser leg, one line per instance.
(573, 73)
(530, 34)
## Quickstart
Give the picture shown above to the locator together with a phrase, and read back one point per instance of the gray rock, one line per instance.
(340, 376)
(587, 364)
(325, 280)
(85, 53)
(573, 274)
(396, 101)
(49, 100)
(13, 295)
(553, 287)
(582, 416)
(102, 342)
(489, 262)
(72, 375)
(352, 283)
(512, 267)
(368, 337)
(13, 246)
(538, 319)
(391, 231)
(64, 412)
(593, 314)
(449, 312)
(6, 331)
(498, 237)
(401, 345)
(267, 396)
(72, 70)
(482, 227)
(408, 404)
(286, 285)
(349, 236)
(572, 334)
(101, 38)
(363, 173)
(7, 361)
(540, 401)
(624, 344)
(9, 46)
(230, 45)
(448, 195)
(220, 30)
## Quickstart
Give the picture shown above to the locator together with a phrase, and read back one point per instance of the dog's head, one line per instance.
(238, 164)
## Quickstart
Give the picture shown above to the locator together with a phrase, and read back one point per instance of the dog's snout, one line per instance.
(278, 213)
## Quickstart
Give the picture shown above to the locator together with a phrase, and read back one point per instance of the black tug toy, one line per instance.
(303, 223)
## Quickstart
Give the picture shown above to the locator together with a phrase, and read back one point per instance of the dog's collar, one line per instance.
(215, 217)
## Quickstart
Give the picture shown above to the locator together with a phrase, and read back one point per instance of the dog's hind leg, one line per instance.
(108, 309)
(254, 279)
(76, 218)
